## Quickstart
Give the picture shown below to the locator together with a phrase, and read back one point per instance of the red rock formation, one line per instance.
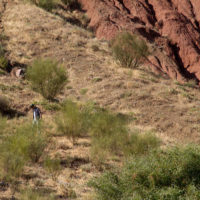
(172, 26)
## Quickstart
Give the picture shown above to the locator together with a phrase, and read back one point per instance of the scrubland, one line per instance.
(110, 128)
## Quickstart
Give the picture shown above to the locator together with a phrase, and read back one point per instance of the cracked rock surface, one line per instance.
(172, 26)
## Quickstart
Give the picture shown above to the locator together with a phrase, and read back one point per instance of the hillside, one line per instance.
(172, 26)
(158, 104)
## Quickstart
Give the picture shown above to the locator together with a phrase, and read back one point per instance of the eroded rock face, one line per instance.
(172, 26)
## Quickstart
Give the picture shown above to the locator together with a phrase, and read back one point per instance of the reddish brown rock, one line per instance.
(172, 26)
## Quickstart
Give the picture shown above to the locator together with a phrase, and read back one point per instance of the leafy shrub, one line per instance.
(108, 133)
(4, 104)
(110, 136)
(52, 106)
(3, 60)
(172, 174)
(71, 121)
(45, 4)
(35, 142)
(52, 165)
(140, 143)
(129, 49)
(3, 63)
(47, 77)
(83, 91)
(19, 148)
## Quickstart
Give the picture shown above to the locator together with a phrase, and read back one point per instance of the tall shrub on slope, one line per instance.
(129, 49)
(47, 77)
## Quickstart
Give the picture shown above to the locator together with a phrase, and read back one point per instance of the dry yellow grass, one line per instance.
(170, 109)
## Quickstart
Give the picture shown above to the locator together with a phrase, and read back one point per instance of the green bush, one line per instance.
(35, 141)
(52, 165)
(45, 4)
(4, 104)
(71, 121)
(3, 63)
(108, 133)
(140, 143)
(3, 122)
(164, 175)
(110, 136)
(129, 49)
(52, 106)
(3, 60)
(47, 77)
(17, 149)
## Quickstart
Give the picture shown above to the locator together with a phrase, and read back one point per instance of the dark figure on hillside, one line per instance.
(37, 115)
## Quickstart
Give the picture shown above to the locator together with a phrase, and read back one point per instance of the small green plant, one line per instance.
(141, 143)
(4, 104)
(52, 106)
(110, 136)
(70, 121)
(97, 79)
(47, 77)
(52, 165)
(19, 148)
(35, 140)
(45, 4)
(108, 132)
(129, 49)
(83, 91)
(169, 174)
(3, 63)
(31, 194)
(3, 60)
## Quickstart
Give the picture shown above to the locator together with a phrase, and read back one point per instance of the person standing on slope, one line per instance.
(37, 115)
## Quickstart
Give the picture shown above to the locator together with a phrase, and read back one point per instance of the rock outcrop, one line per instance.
(172, 27)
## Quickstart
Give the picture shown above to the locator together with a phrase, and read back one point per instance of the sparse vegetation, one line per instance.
(19, 148)
(4, 104)
(108, 133)
(129, 49)
(52, 165)
(70, 121)
(47, 77)
(31, 194)
(52, 106)
(134, 105)
(35, 141)
(110, 136)
(171, 174)
(3, 60)
(83, 91)
(45, 4)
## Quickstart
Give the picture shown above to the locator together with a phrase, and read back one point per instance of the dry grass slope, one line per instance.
(170, 109)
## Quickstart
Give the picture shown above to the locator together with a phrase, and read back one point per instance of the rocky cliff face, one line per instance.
(171, 26)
